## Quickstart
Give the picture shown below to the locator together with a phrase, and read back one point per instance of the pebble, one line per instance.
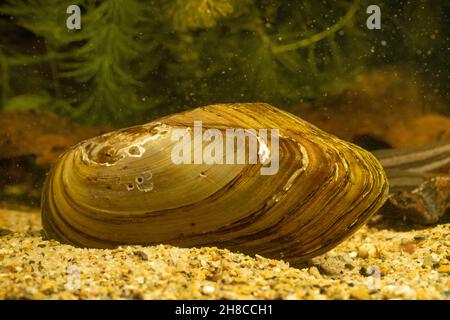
(142, 255)
(329, 265)
(408, 246)
(360, 293)
(394, 292)
(314, 271)
(367, 250)
(33, 268)
(427, 260)
(4, 232)
(444, 268)
(420, 237)
(208, 289)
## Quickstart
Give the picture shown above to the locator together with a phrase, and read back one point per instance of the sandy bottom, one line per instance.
(373, 264)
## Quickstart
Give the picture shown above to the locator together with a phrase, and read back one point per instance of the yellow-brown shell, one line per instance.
(123, 188)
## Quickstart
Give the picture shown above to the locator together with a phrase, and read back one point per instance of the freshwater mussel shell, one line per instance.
(123, 188)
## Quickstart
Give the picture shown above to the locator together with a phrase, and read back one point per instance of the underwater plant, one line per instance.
(140, 59)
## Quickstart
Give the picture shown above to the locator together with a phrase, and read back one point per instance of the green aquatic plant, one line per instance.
(102, 63)
(95, 64)
(137, 59)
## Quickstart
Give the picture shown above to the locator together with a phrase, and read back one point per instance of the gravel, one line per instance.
(372, 264)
